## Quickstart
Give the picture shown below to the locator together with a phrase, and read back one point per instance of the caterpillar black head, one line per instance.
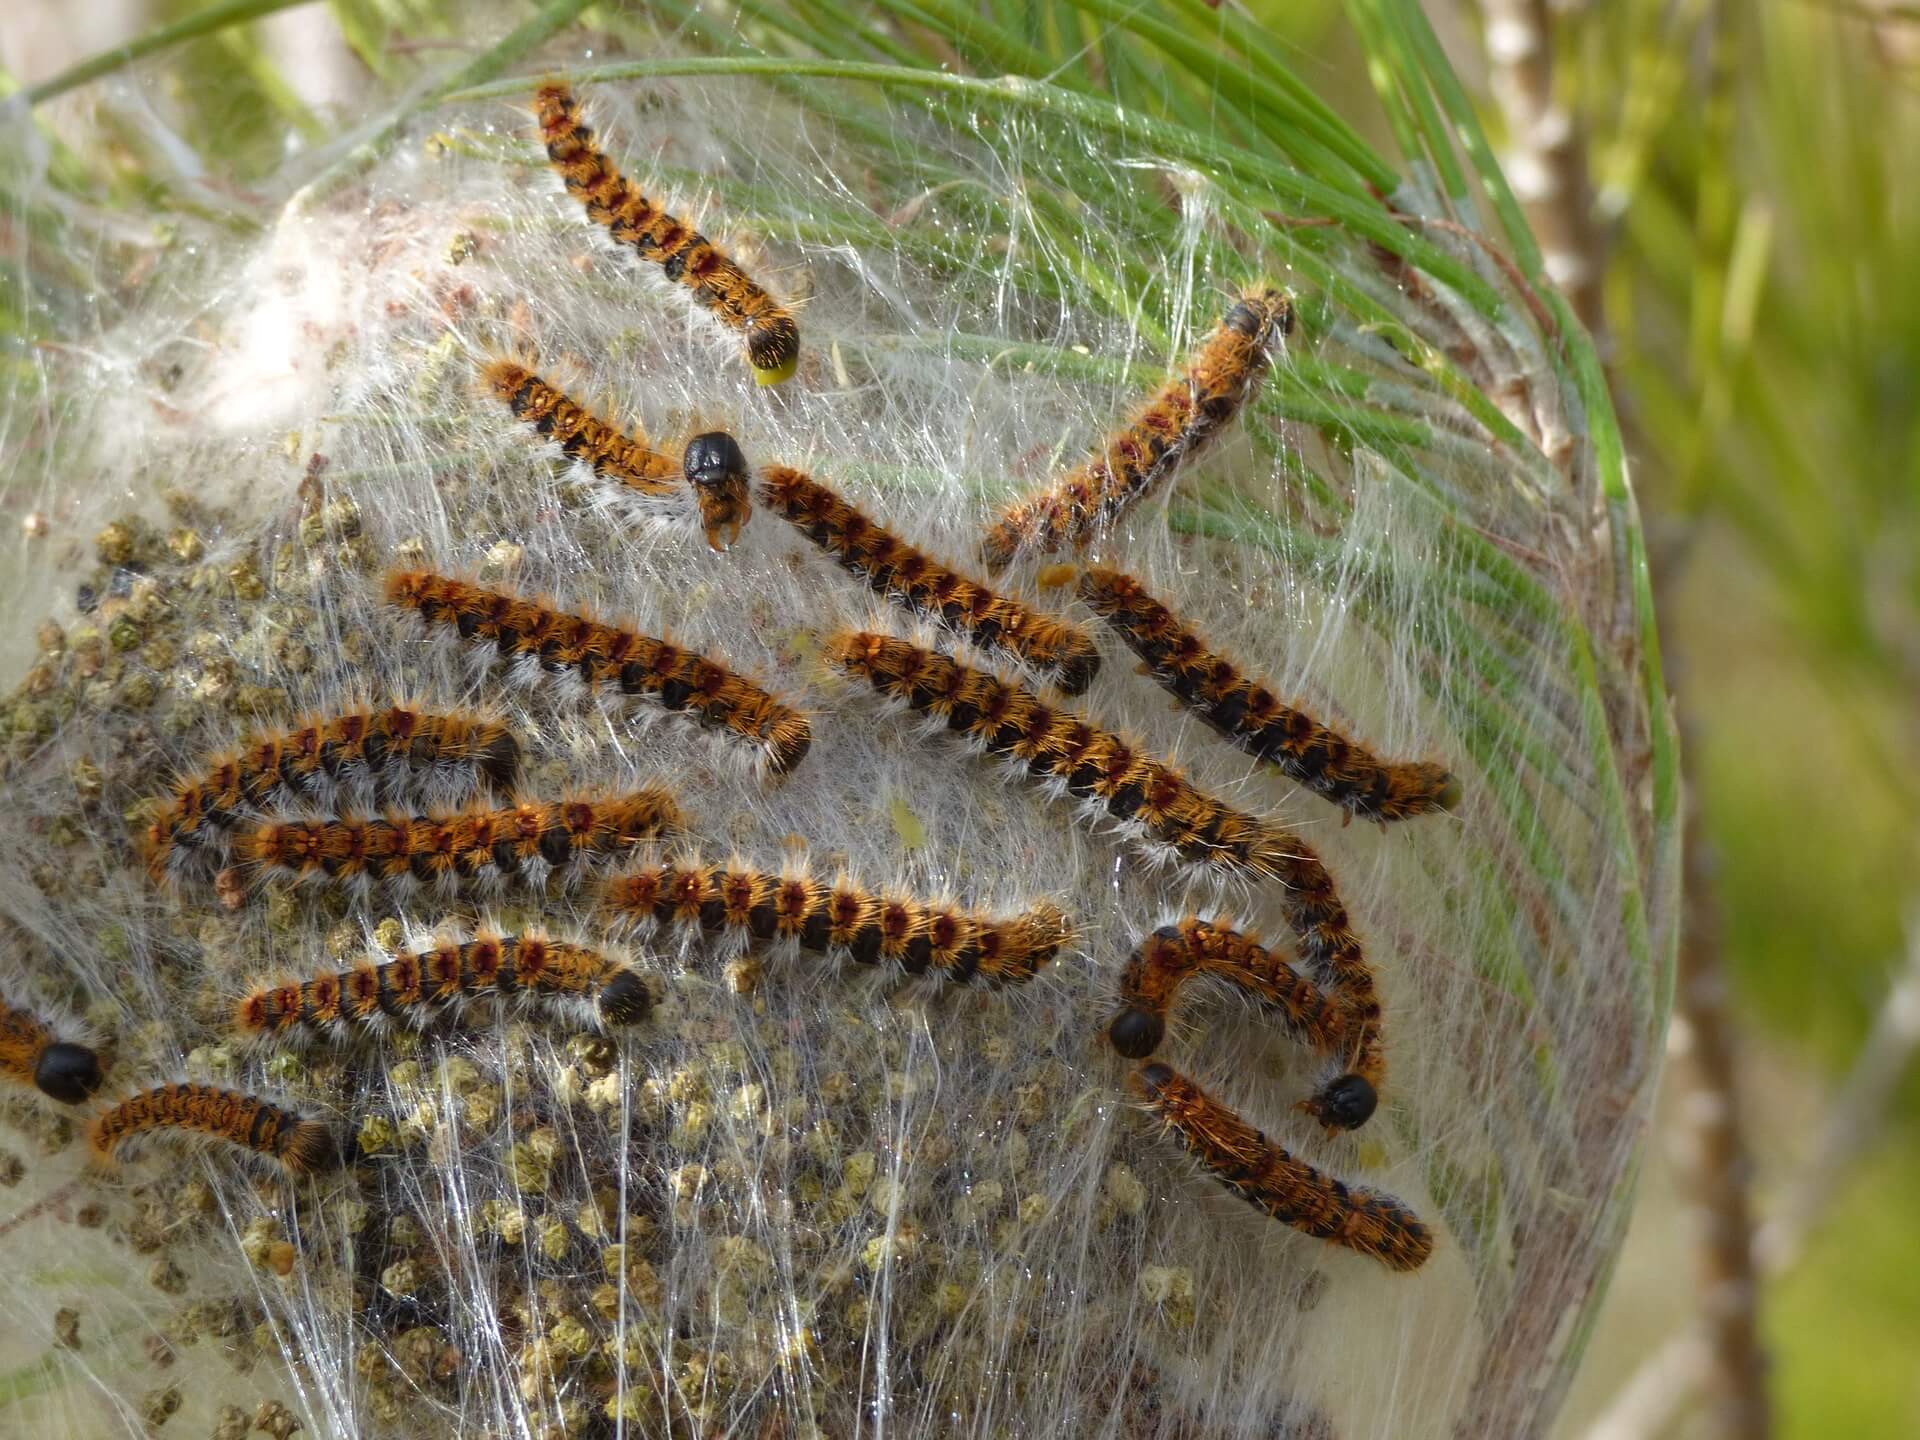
(714, 461)
(67, 1072)
(1346, 1103)
(716, 468)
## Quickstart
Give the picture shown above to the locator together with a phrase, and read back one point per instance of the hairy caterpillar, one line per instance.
(686, 257)
(1164, 961)
(712, 466)
(30, 1055)
(839, 918)
(414, 986)
(359, 752)
(301, 1147)
(538, 643)
(1165, 813)
(477, 847)
(1253, 720)
(1172, 427)
(1057, 648)
(1268, 1178)
(598, 444)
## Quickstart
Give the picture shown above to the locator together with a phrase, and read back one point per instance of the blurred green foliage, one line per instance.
(1765, 316)
(1842, 1326)
(1768, 314)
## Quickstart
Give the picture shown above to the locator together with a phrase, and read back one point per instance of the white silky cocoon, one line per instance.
(809, 1197)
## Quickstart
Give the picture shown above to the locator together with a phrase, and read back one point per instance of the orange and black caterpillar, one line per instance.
(839, 918)
(1062, 651)
(1167, 958)
(475, 847)
(1166, 813)
(1268, 1178)
(1252, 719)
(540, 644)
(598, 444)
(686, 257)
(1162, 435)
(301, 1147)
(414, 986)
(30, 1055)
(361, 752)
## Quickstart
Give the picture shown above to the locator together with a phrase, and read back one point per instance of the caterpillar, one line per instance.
(711, 467)
(1172, 427)
(537, 643)
(838, 918)
(646, 475)
(1062, 651)
(1274, 1182)
(477, 847)
(61, 1070)
(684, 256)
(301, 1147)
(413, 986)
(357, 753)
(1164, 961)
(717, 471)
(1158, 808)
(1252, 719)
(1165, 813)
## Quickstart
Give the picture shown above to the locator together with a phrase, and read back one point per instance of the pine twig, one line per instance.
(1714, 1161)
(1546, 160)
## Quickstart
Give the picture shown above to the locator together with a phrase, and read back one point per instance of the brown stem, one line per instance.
(1714, 1163)
(1546, 160)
